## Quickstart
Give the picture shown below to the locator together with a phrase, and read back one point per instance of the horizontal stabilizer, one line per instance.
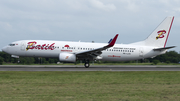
(159, 49)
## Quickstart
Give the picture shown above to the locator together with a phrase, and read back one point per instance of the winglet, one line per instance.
(113, 41)
(110, 41)
(97, 51)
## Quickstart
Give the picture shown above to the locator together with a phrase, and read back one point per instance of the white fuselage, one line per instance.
(42, 48)
(72, 51)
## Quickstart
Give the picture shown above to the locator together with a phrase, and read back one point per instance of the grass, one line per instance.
(89, 86)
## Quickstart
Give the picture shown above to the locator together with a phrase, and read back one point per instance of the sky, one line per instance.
(86, 20)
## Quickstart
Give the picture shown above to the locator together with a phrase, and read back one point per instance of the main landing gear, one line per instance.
(86, 64)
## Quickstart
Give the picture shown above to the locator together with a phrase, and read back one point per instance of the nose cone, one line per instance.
(4, 49)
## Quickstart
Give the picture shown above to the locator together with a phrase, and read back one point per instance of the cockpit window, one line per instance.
(11, 44)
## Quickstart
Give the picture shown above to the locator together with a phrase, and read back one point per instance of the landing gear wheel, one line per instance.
(86, 64)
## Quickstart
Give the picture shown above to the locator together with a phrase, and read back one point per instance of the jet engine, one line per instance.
(67, 57)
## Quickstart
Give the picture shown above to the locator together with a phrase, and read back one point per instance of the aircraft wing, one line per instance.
(97, 51)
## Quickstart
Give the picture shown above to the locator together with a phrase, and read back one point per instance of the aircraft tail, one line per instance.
(160, 35)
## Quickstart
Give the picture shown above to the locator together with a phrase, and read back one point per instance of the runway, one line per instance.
(91, 68)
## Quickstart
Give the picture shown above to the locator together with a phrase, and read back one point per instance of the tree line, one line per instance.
(168, 57)
(6, 58)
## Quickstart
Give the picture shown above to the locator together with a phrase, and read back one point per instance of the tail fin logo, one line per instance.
(161, 34)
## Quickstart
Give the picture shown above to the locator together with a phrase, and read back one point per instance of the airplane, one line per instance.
(68, 51)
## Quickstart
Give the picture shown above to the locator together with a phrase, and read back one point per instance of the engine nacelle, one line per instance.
(67, 57)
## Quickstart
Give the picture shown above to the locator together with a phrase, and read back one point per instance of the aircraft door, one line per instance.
(23, 46)
(77, 49)
(141, 52)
